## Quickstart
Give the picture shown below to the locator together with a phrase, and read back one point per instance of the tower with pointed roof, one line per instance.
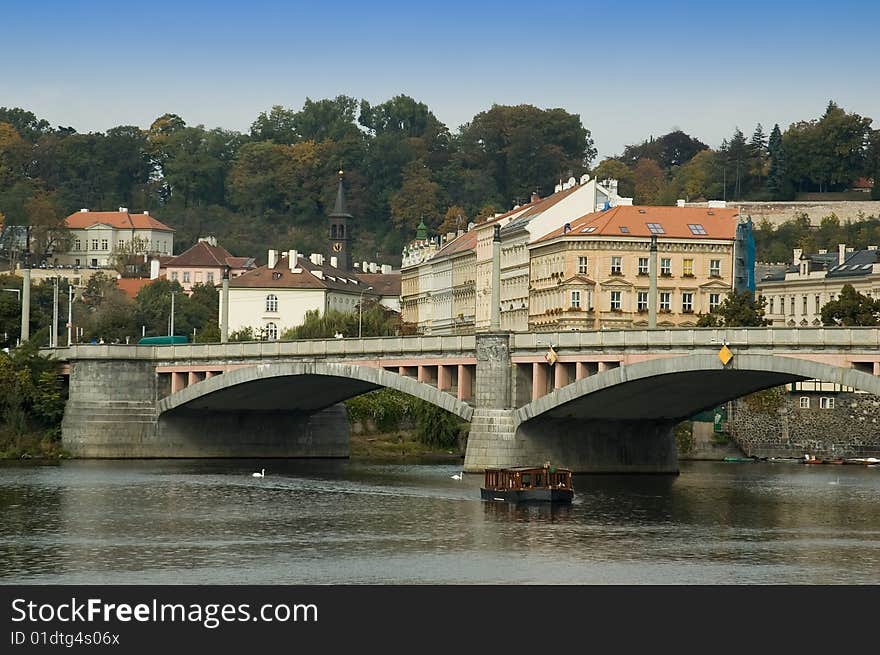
(340, 230)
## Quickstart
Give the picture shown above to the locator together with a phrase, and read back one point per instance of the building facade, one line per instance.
(97, 239)
(594, 272)
(204, 263)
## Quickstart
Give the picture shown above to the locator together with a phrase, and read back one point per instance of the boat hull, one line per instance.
(528, 495)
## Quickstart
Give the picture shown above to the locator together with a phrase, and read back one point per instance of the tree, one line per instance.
(851, 308)
(417, 198)
(279, 126)
(616, 170)
(738, 309)
(649, 181)
(776, 172)
(454, 220)
(670, 150)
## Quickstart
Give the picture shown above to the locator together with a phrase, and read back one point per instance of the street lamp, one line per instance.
(361, 311)
(171, 325)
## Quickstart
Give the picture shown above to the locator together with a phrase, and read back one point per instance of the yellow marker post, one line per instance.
(551, 356)
(725, 355)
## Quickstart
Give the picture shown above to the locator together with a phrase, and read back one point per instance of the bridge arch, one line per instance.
(676, 388)
(306, 386)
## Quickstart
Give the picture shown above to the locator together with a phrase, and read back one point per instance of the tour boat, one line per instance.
(546, 483)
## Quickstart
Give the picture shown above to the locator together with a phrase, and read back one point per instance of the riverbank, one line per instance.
(30, 446)
(401, 445)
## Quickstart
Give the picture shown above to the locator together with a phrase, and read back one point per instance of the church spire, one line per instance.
(340, 233)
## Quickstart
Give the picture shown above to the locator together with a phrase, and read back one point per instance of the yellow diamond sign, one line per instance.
(725, 355)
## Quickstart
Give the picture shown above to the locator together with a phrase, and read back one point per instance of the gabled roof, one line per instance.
(119, 220)
(131, 285)
(385, 284)
(281, 277)
(538, 207)
(204, 255)
(674, 222)
(858, 263)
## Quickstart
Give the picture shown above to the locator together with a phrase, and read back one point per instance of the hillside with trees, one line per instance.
(273, 186)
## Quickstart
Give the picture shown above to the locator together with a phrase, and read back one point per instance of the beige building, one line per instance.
(795, 296)
(95, 238)
(593, 272)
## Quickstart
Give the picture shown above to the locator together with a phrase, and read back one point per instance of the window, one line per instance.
(76, 263)
(818, 304)
(687, 268)
(616, 265)
(120, 244)
(770, 311)
(174, 276)
(271, 303)
(715, 301)
(826, 403)
(656, 228)
(714, 268)
(271, 331)
(198, 277)
(575, 299)
(791, 311)
(104, 244)
(94, 244)
(186, 277)
(210, 277)
(582, 265)
(805, 402)
(805, 306)
(642, 301)
(615, 301)
(687, 302)
(643, 265)
(666, 266)
(665, 301)
(77, 245)
(624, 229)
(94, 263)
(696, 228)
(588, 229)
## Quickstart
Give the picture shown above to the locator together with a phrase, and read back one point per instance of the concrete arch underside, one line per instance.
(302, 387)
(676, 388)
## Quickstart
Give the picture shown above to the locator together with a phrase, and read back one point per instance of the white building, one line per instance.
(276, 297)
(95, 238)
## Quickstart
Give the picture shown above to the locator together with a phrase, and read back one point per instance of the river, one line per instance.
(318, 522)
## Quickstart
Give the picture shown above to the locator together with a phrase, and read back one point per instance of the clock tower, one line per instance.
(340, 230)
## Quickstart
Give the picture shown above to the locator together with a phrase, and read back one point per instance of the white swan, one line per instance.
(457, 476)
(261, 474)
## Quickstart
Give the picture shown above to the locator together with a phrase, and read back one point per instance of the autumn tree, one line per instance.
(417, 198)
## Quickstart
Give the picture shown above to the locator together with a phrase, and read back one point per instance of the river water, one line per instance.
(316, 522)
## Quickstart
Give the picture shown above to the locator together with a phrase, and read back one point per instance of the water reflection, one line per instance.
(338, 521)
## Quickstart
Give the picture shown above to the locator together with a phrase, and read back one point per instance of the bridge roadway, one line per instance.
(601, 401)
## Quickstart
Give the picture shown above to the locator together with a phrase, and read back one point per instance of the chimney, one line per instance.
(872, 247)
(797, 256)
(154, 269)
(123, 210)
(334, 262)
(146, 213)
(292, 260)
(314, 258)
(386, 269)
(841, 253)
(679, 203)
(373, 267)
(364, 266)
(450, 236)
(535, 197)
(822, 251)
(84, 210)
(273, 258)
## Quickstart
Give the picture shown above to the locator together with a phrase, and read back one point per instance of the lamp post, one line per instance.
(361, 311)
(171, 323)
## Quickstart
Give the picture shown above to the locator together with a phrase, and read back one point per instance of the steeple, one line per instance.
(421, 231)
(340, 234)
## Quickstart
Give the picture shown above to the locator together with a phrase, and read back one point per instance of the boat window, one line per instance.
(538, 480)
(526, 479)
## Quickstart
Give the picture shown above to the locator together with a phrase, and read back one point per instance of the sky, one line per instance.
(629, 69)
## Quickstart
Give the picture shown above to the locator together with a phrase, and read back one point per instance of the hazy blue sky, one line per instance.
(629, 69)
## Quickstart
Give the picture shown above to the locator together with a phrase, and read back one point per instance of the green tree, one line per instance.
(776, 171)
(738, 309)
(851, 308)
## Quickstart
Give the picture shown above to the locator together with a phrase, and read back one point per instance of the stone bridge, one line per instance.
(603, 401)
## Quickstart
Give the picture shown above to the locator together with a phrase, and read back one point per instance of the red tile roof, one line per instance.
(674, 221)
(119, 220)
(204, 255)
(281, 277)
(131, 285)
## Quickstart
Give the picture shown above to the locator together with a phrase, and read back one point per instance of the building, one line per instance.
(272, 298)
(796, 295)
(204, 264)
(445, 286)
(96, 239)
(593, 272)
